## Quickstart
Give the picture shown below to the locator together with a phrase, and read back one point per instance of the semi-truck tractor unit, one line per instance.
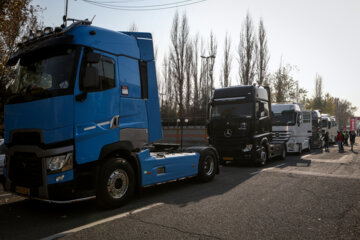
(329, 125)
(289, 126)
(240, 125)
(316, 139)
(83, 110)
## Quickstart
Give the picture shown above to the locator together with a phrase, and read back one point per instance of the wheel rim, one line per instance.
(263, 156)
(118, 183)
(208, 165)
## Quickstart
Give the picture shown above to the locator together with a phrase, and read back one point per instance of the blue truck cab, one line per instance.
(84, 108)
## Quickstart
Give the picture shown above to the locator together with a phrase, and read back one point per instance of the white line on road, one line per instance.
(317, 174)
(343, 159)
(253, 173)
(6, 194)
(122, 215)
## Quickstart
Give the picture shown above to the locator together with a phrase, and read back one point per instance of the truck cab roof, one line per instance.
(247, 92)
(280, 107)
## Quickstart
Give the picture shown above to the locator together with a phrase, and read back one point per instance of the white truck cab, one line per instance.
(293, 125)
(328, 124)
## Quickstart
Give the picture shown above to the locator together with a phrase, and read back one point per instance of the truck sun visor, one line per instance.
(49, 42)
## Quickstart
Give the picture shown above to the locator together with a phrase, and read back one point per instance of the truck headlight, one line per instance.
(243, 125)
(247, 148)
(60, 163)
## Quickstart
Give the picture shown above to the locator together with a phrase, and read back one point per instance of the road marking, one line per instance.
(253, 173)
(109, 219)
(317, 174)
(6, 194)
(343, 159)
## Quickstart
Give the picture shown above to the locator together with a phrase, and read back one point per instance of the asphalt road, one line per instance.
(315, 196)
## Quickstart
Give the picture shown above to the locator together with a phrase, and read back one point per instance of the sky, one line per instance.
(317, 36)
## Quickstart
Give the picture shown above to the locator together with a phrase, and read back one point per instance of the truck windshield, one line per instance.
(284, 118)
(44, 73)
(324, 123)
(232, 110)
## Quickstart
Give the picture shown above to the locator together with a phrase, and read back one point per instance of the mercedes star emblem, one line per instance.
(227, 132)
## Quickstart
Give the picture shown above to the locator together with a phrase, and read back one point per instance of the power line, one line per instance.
(145, 8)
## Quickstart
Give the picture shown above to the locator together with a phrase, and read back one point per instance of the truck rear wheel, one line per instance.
(207, 166)
(116, 183)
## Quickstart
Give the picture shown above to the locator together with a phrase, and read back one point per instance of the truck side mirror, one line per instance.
(91, 78)
(298, 119)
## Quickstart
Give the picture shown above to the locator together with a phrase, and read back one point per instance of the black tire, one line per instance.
(309, 148)
(207, 166)
(263, 158)
(300, 149)
(116, 183)
(283, 153)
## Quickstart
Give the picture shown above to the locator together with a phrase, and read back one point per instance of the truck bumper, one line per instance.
(63, 192)
(26, 175)
(237, 156)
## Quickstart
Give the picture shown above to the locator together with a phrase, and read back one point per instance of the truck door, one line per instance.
(96, 105)
(307, 123)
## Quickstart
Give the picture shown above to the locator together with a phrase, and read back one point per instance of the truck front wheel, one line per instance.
(116, 183)
(207, 166)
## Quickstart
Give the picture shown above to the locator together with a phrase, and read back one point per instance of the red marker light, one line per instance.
(149, 173)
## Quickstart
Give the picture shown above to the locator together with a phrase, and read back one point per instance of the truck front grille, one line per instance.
(26, 170)
(26, 138)
(229, 144)
(281, 136)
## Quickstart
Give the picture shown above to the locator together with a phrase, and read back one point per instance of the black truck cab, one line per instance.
(240, 123)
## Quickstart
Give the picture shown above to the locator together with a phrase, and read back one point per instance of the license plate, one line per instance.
(228, 158)
(23, 190)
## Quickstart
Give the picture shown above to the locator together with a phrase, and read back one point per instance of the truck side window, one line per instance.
(263, 109)
(266, 109)
(106, 70)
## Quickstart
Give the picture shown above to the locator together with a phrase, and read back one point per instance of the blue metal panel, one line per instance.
(132, 113)
(139, 34)
(68, 176)
(52, 115)
(106, 40)
(146, 49)
(154, 120)
(4, 172)
(92, 121)
(176, 166)
(129, 76)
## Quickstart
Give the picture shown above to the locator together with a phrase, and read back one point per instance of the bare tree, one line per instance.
(203, 76)
(318, 97)
(167, 91)
(343, 111)
(226, 67)
(247, 52)
(133, 27)
(212, 51)
(188, 73)
(263, 56)
(195, 73)
(179, 41)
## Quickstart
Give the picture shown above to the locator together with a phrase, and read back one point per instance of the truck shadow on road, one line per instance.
(38, 219)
